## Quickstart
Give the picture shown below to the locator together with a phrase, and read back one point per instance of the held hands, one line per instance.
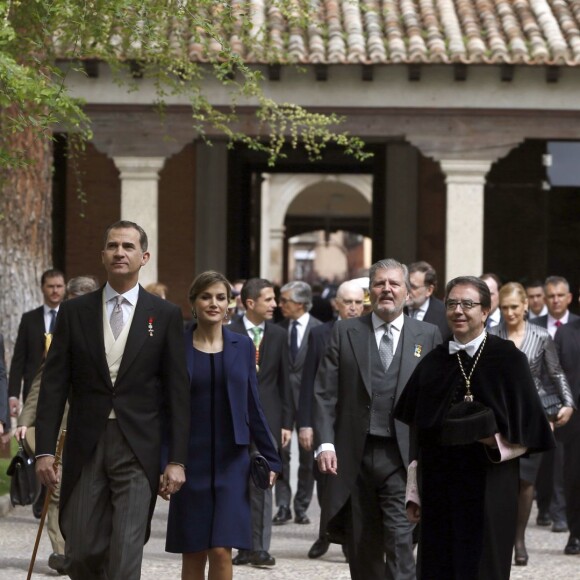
(171, 481)
(327, 462)
(273, 478)
(46, 472)
(413, 512)
(306, 438)
(14, 405)
(563, 416)
(286, 437)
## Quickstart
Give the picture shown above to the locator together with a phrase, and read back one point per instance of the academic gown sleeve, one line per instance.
(501, 381)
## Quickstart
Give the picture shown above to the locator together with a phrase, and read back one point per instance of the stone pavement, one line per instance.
(289, 545)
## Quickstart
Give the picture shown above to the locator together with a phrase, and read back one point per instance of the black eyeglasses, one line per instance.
(463, 304)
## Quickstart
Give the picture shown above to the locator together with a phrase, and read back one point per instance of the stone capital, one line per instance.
(141, 168)
(466, 171)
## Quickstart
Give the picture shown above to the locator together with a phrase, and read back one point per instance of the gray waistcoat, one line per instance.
(384, 387)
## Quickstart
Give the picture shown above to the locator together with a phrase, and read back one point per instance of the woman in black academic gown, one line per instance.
(468, 477)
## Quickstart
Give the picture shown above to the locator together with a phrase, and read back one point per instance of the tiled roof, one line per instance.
(531, 32)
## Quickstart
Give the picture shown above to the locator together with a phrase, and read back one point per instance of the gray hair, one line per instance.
(81, 285)
(300, 292)
(553, 280)
(389, 264)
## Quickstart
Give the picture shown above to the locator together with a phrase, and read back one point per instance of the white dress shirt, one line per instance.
(128, 305)
(552, 328)
(48, 316)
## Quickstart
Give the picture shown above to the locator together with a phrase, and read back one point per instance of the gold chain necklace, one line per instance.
(469, 395)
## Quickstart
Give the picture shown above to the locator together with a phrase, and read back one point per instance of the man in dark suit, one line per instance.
(271, 344)
(349, 303)
(494, 284)
(568, 344)
(364, 370)
(296, 302)
(30, 341)
(422, 304)
(118, 356)
(550, 495)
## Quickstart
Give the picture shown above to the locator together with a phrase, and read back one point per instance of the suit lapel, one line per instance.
(137, 333)
(91, 318)
(411, 351)
(362, 339)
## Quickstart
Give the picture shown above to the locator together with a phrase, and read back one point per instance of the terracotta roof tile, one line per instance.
(532, 32)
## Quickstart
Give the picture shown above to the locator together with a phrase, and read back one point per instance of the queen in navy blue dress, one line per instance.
(210, 515)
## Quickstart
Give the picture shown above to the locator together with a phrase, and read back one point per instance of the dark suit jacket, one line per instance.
(295, 367)
(319, 337)
(152, 373)
(28, 352)
(248, 418)
(543, 320)
(273, 379)
(567, 341)
(342, 400)
(4, 411)
(437, 315)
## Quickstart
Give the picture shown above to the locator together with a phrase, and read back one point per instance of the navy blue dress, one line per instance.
(212, 509)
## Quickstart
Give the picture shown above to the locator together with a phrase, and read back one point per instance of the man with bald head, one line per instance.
(349, 303)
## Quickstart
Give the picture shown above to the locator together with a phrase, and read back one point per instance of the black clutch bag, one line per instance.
(24, 486)
(552, 405)
(260, 471)
(467, 422)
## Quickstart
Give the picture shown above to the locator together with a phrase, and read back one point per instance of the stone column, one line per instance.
(211, 212)
(465, 180)
(139, 203)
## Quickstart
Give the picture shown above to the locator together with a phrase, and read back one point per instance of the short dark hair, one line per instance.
(52, 273)
(478, 283)
(534, 284)
(493, 277)
(553, 280)
(427, 269)
(205, 280)
(253, 287)
(389, 264)
(124, 225)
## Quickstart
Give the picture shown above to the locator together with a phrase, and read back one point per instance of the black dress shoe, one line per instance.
(319, 548)
(262, 558)
(559, 527)
(301, 519)
(572, 547)
(543, 519)
(58, 562)
(243, 557)
(284, 515)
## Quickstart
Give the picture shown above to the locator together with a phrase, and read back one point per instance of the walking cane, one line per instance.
(45, 506)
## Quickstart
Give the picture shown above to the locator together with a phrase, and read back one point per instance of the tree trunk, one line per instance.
(25, 225)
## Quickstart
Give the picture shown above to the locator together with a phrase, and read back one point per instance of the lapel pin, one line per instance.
(150, 326)
(418, 349)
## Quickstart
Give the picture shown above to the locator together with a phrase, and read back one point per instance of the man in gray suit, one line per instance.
(296, 301)
(366, 366)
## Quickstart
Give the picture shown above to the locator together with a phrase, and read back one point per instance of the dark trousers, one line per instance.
(550, 484)
(105, 519)
(572, 473)
(380, 542)
(303, 495)
(261, 510)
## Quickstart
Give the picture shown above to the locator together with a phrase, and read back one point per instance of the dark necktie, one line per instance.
(52, 321)
(294, 340)
(558, 323)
